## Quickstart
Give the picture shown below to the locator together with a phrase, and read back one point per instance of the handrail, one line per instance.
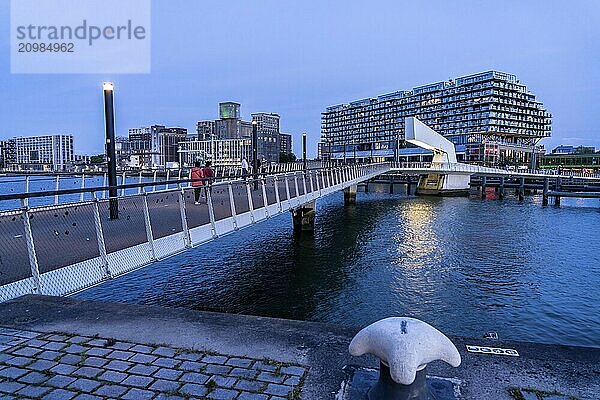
(176, 182)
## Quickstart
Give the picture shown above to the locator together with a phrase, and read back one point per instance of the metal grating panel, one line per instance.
(220, 202)
(240, 198)
(64, 235)
(197, 214)
(270, 189)
(165, 216)
(127, 231)
(14, 259)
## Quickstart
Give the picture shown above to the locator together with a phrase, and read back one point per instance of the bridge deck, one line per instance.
(59, 250)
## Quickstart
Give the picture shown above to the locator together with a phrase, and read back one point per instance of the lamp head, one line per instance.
(108, 86)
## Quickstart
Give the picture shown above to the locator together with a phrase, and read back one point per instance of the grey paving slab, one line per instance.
(138, 394)
(167, 373)
(33, 391)
(113, 391)
(59, 394)
(84, 384)
(194, 377)
(217, 369)
(10, 386)
(64, 369)
(278, 390)
(60, 381)
(223, 394)
(162, 385)
(193, 389)
(112, 376)
(138, 381)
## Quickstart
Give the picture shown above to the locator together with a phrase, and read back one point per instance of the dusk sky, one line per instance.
(296, 58)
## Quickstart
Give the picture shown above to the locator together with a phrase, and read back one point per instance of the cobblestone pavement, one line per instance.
(63, 366)
(532, 394)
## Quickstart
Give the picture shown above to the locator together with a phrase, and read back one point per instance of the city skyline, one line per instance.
(316, 55)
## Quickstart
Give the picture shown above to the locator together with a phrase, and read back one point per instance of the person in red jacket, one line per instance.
(197, 173)
(209, 174)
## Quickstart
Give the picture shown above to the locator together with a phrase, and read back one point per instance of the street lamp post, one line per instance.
(109, 124)
(304, 150)
(255, 153)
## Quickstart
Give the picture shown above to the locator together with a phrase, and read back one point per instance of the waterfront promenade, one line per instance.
(65, 348)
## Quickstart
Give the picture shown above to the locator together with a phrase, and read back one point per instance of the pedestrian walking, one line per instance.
(197, 183)
(209, 175)
(244, 169)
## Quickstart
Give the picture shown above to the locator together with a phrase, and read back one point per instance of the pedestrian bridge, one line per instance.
(60, 249)
(64, 248)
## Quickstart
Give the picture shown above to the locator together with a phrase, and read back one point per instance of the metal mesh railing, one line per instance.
(221, 201)
(129, 229)
(240, 196)
(14, 258)
(165, 215)
(256, 192)
(271, 189)
(60, 249)
(69, 228)
(196, 212)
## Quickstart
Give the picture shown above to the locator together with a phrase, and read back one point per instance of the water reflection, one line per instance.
(466, 265)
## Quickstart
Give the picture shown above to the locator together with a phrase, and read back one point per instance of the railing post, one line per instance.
(250, 202)
(211, 213)
(154, 181)
(287, 189)
(140, 183)
(100, 238)
(179, 178)
(312, 186)
(277, 199)
(232, 205)
(317, 174)
(296, 184)
(263, 181)
(56, 189)
(167, 179)
(26, 202)
(82, 187)
(123, 181)
(148, 227)
(104, 185)
(33, 263)
(187, 238)
(304, 183)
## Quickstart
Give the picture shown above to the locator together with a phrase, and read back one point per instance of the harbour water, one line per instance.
(465, 265)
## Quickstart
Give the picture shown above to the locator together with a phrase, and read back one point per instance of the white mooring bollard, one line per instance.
(404, 347)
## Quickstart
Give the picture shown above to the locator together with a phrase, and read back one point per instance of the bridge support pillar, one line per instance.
(408, 183)
(557, 200)
(483, 186)
(350, 195)
(501, 188)
(521, 189)
(303, 217)
(443, 184)
(545, 193)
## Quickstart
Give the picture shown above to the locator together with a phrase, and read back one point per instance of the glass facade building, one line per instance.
(491, 118)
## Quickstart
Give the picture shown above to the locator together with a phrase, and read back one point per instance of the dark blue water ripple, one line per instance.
(465, 265)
